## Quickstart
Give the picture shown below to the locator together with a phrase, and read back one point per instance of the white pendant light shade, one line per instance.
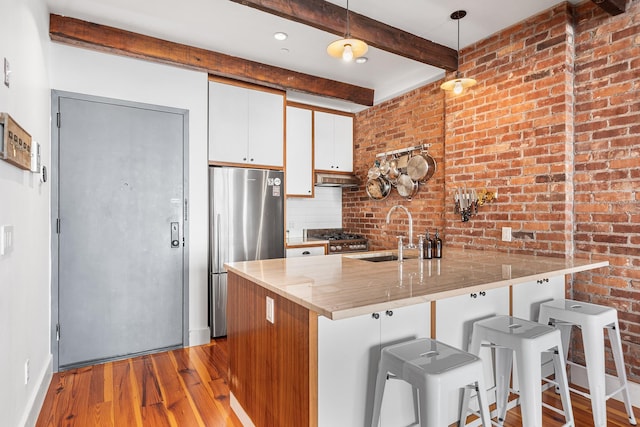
(347, 49)
(458, 84)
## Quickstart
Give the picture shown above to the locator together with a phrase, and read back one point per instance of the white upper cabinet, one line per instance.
(333, 141)
(299, 152)
(246, 126)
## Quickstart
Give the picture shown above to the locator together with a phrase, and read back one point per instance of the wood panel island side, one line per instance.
(314, 363)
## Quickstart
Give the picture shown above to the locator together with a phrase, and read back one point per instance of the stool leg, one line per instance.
(474, 348)
(593, 338)
(563, 385)
(529, 374)
(432, 404)
(616, 349)
(483, 402)
(381, 380)
(503, 367)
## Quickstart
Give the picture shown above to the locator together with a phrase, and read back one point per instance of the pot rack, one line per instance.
(403, 150)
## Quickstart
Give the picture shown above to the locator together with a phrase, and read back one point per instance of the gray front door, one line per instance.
(118, 201)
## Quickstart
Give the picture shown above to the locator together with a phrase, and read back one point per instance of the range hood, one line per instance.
(328, 179)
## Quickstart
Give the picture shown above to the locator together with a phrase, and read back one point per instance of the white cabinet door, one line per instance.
(401, 324)
(246, 126)
(348, 356)
(527, 297)
(343, 143)
(266, 128)
(228, 122)
(333, 142)
(299, 152)
(454, 322)
(305, 251)
(348, 352)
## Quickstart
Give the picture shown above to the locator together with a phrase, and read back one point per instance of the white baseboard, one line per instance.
(237, 408)
(34, 405)
(199, 336)
(578, 376)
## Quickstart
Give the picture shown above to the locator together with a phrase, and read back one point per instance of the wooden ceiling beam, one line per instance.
(113, 40)
(331, 18)
(612, 7)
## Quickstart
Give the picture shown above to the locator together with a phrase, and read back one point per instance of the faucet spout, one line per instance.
(410, 245)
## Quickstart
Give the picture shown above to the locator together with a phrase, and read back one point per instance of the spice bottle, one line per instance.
(428, 247)
(437, 246)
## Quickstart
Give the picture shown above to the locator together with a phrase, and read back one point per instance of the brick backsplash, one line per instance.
(554, 126)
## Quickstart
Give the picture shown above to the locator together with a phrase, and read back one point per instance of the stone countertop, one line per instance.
(296, 242)
(342, 286)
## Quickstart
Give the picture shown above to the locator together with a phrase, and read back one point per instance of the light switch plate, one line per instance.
(7, 72)
(270, 309)
(6, 239)
(506, 234)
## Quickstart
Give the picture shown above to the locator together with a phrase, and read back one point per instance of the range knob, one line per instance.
(332, 248)
(339, 248)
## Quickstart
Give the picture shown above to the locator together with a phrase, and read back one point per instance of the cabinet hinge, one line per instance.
(57, 225)
(57, 331)
(58, 120)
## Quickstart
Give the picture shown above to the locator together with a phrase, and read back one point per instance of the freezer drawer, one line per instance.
(218, 304)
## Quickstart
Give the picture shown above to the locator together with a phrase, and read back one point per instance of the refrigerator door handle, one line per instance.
(219, 268)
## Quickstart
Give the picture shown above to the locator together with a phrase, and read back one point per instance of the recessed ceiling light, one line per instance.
(361, 60)
(284, 50)
(280, 36)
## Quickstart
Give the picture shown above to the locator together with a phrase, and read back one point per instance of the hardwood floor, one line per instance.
(188, 387)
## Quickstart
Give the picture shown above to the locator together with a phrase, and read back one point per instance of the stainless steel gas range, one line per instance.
(339, 241)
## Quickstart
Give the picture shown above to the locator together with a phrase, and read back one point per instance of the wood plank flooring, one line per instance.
(189, 387)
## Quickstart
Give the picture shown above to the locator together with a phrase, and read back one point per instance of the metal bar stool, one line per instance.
(592, 319)
(527, 340)
(433, 368)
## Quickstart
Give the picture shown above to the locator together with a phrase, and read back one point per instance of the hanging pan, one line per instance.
(421, 167)
(378, 188)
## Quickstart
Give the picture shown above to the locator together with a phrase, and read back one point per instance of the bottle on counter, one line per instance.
(437, 246)
(428, 247)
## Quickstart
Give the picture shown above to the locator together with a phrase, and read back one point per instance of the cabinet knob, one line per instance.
(389, 313)
(375, 315)
(252, 159)
(545, 280)
(473, 295)
(244, 159)
(483, 293)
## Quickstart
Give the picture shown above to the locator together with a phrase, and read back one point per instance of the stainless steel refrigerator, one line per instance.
(246, 222)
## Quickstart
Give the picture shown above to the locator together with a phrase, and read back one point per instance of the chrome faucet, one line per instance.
(410, 245)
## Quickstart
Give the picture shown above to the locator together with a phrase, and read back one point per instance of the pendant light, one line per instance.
(459, 83)
(346, 47)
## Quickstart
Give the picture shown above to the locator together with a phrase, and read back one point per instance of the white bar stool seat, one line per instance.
(433, 368)
(592, 319)
(527, 340)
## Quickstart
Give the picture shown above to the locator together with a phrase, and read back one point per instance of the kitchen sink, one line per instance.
(380, 257)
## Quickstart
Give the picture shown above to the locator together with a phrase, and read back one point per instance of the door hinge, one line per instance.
(58, 332)
(57, 225)
(183, 241)
(58, 120)
(186, 209)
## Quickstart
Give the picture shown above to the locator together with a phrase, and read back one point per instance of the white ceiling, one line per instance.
(234, 29)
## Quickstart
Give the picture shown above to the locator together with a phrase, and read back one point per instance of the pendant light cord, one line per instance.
(348, 35)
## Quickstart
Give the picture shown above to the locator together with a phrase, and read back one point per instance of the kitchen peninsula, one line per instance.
(305, 333)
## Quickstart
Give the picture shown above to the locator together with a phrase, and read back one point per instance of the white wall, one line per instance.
(24, 203)
(324, 210)
(88, 72)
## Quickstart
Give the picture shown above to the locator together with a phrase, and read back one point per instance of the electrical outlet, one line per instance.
(506, 234)
(26, 372)
(6, 239)
(270, 309)
(7, 71)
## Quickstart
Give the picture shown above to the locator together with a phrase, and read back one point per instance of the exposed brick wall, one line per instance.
(554, 126)
(513, 133)
(607, 165)
(406, 121)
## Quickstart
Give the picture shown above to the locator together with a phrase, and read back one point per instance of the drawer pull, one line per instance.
(376, 315)
(306, 253)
